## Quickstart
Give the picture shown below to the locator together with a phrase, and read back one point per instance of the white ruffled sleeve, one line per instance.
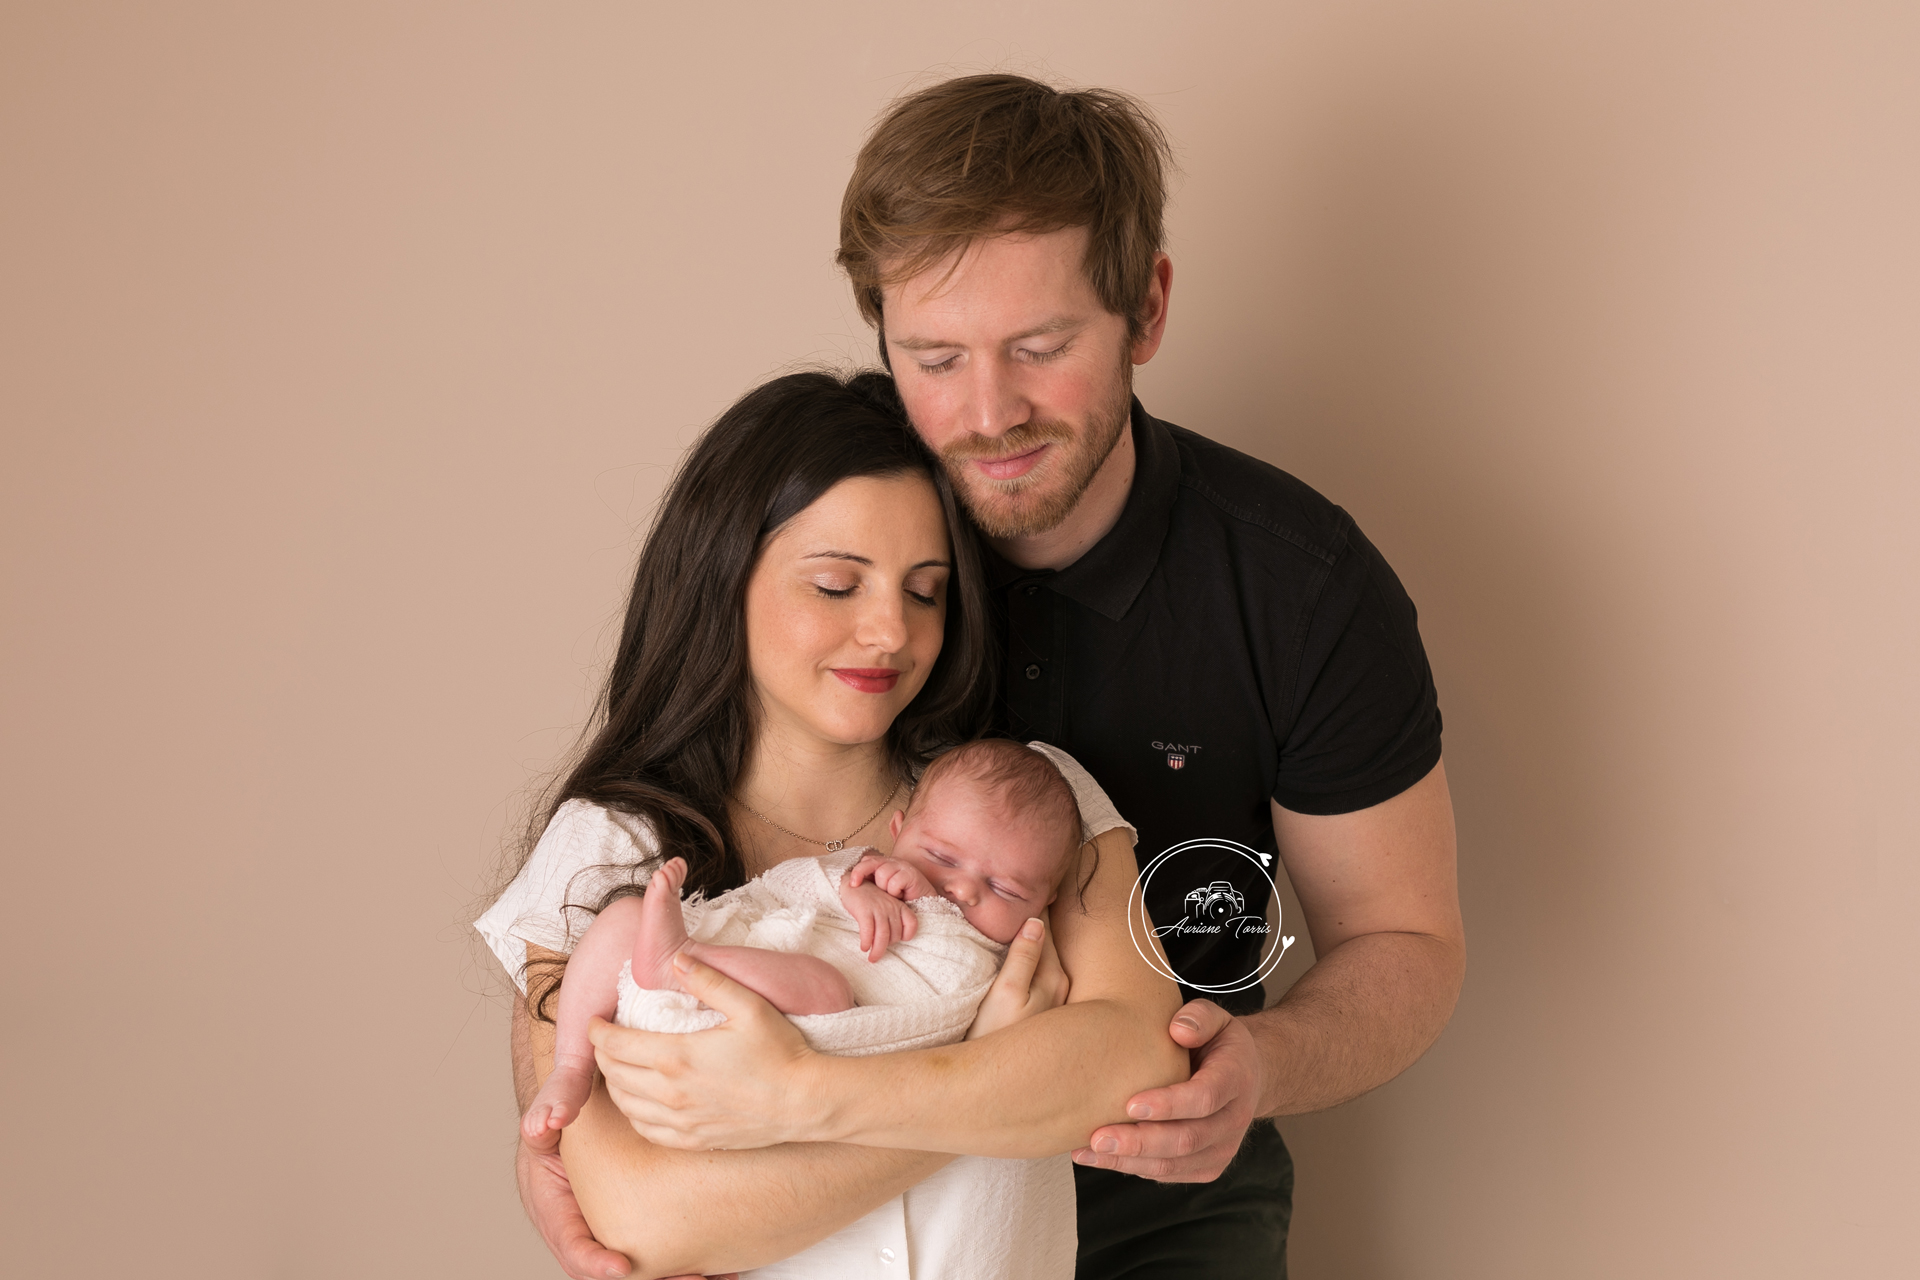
(585, 851)
(1097, 813)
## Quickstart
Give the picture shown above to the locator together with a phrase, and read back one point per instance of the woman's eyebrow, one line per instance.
(850, 556)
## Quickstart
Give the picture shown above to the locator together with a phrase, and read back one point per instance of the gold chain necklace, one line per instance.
(832, 846)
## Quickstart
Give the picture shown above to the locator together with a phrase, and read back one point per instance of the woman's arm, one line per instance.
(702, 1213)
(1036, 1088)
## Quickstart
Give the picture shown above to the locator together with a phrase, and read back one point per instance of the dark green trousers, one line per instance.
(1233, 1228)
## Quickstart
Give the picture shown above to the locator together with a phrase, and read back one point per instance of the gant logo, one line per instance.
(1177, 752)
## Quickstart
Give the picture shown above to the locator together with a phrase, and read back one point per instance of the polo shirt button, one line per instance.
(886, 1255)
(1031, 590)
(1033, 672)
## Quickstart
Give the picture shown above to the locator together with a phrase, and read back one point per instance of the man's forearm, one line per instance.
(1360, 1016)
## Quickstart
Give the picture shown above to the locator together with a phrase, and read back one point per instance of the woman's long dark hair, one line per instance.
(677, 714)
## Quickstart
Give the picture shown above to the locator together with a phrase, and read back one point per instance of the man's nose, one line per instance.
(995, 402)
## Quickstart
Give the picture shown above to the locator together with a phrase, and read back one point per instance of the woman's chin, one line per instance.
(841, 727)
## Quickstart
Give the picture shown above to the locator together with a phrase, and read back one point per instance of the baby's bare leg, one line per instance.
(590, 989)
(790, 983)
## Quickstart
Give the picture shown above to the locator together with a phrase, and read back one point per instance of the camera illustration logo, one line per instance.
(1213, 908)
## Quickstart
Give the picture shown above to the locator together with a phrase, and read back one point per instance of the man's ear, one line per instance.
(1153, 311)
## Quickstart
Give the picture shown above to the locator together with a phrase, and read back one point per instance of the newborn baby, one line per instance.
(992, 829)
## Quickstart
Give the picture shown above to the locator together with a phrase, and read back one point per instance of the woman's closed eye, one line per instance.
(924, 587)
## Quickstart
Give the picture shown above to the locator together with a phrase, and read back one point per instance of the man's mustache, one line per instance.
(1015, 440)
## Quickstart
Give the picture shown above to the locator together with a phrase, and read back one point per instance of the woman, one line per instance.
(804, 631)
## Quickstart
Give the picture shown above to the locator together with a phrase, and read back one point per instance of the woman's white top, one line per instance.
(979, 1218)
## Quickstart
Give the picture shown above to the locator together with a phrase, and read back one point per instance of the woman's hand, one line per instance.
(738, 1085)
(1031, 981)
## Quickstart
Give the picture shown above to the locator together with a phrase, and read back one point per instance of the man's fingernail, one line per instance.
(1032, 930)
(1140, 1111)
(1188, 1023)
(1083, 1156)
(1107, 1146)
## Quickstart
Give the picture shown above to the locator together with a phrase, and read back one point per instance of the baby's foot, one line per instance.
(558, 1103)
(663, 930)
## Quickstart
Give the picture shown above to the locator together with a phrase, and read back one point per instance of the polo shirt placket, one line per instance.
(1232, 640)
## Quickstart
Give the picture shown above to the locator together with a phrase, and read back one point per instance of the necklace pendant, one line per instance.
(835, 846)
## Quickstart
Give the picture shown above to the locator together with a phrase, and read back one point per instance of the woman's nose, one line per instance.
(883, 624)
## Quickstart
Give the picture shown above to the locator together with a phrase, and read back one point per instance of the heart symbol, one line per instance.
(1286, 941)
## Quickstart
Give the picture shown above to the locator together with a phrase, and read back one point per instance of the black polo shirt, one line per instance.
(1233, 638)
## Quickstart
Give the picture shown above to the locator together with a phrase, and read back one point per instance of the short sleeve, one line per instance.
(1097, 814)
(585, 851)
(1365, 720)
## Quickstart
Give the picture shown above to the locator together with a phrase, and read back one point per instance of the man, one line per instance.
(1218, 644)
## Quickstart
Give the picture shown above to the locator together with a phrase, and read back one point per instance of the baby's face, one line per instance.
(998, 867)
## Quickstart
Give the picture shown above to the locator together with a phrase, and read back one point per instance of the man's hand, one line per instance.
(1191, 1130)
(548, 1197)
(884, 919)
(741, 1084)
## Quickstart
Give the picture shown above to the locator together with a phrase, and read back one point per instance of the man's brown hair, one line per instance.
(984, 155)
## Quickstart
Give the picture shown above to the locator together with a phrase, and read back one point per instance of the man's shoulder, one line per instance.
(1258, 498)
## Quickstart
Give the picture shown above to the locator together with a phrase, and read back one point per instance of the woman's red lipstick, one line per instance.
(868, 679)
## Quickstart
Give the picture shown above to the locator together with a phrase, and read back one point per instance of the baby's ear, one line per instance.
(899, 820)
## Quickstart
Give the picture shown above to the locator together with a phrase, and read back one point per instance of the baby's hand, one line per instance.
(884, 919)
(901, 879)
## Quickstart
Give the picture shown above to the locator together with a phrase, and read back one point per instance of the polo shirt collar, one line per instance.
(1109, 577)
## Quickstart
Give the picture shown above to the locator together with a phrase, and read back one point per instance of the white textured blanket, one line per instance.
(923, 992)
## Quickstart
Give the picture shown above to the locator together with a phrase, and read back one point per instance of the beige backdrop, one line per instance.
(347, 345)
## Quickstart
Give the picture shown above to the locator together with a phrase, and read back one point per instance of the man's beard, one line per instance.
(1041, 500)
